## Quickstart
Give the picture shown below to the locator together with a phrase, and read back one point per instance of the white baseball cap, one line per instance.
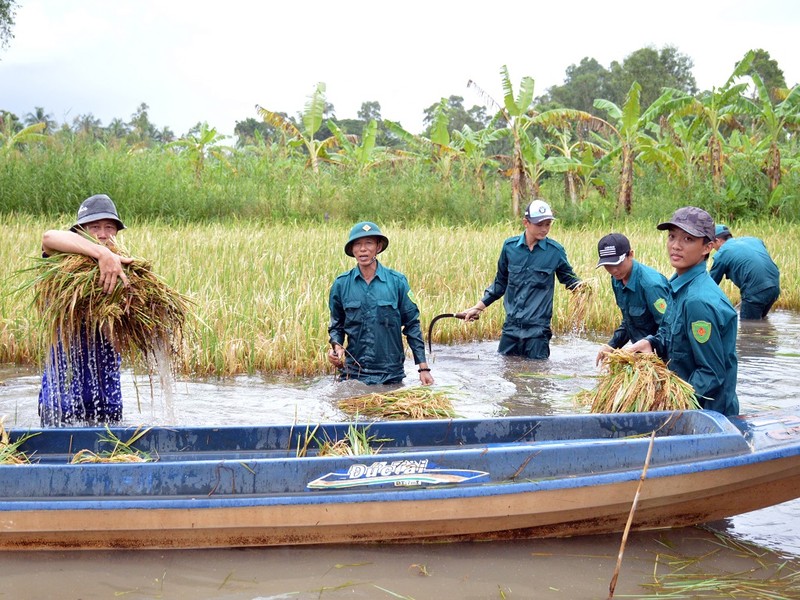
(539, 211)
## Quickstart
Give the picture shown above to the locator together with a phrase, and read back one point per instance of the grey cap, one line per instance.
(95, 208)
(694, 221)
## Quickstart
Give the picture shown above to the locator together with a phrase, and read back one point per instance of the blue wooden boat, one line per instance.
(443, 480)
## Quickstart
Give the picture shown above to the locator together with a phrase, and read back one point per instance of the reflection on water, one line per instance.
(483, 384)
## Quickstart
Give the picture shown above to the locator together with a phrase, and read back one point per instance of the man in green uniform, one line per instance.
(373, 307)
(747, 263)
(641, 292)
(697, 337)
(525, 278)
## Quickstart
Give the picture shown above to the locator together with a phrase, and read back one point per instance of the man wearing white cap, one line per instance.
(525, 279)
(641, 292)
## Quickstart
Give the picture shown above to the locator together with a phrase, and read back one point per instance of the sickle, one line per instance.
(461, 315)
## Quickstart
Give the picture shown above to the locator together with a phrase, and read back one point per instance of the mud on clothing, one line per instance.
(642, 301)
(747, 263)
(526, 280)
(697, 339)
(373, 318)
(81, 386)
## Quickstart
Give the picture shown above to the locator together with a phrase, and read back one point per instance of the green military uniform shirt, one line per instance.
(697, 339)
(374, 317)
(642, 301)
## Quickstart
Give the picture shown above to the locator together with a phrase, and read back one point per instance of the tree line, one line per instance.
(598, 132)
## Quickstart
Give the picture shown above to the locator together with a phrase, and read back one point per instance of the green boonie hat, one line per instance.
(362, 230)
(694, 221)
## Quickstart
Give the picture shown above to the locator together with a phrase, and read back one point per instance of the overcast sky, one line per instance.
(195, 60)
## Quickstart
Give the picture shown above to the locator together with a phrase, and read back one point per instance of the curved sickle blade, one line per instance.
(460, 315)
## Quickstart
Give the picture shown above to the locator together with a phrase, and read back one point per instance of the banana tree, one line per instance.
(474, 146)
(570, 151)
(630, 125)
(438, 149)
(10, 138)
(773, 119)
(312, 119)
(195, 147)
(719, 108)
(514, 112)
(361, 154)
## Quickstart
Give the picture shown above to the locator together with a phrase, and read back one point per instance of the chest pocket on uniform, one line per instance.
(530, 277)
(640, 316)
(388, 315)
(353, 311)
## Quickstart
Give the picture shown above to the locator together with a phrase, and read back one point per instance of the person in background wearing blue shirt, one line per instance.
(747, 263)
(526, 272)
(371, 308)
(83, 385)
(641, 292)
(697, 337)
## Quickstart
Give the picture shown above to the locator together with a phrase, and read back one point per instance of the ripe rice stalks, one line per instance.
(638, 383)
(581, 301)
(407, 403)
(144, 321)
(10, 454)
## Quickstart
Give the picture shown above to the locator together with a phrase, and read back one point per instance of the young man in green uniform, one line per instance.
(747, 263)
(641, 292)
(697, 337)
(373, 307)
(525, 278)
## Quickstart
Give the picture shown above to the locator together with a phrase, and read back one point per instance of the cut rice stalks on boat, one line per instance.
(10, 454)
(634, 382)
(121, 452)
(144, 321)
(407, 403)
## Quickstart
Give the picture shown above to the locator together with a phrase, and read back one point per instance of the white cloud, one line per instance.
(197, 60)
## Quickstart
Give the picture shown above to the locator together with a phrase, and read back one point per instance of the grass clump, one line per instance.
(10, 454)
(407, 403)
(638, 383)
(121, 452)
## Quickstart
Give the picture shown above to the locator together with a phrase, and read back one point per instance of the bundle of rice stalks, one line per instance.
(581, 299)
(638, 383)
(121, 452)
(407, 403)
(10, 454)
(145, 320)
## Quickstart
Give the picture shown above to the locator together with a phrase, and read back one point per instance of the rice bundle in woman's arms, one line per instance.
(144, 319)
(638, 383)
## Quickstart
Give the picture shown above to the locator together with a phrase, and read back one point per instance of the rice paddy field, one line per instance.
(260, 290)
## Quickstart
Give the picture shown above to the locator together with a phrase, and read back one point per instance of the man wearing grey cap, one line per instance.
(526, 272)
(697, 338)
(84, 387)
(747, 263)
(641, 292)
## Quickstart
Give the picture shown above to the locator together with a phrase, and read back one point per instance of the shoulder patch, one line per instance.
(660, 305)
(701, 330)
(411, 297)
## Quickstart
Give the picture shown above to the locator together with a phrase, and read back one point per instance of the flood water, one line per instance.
(482, 384)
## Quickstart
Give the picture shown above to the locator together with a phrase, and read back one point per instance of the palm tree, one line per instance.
(40, 116)
(312, 122)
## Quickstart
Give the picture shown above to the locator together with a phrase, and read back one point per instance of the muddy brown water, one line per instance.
(483, 384)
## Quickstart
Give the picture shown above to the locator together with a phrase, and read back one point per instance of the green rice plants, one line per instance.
(121, 451)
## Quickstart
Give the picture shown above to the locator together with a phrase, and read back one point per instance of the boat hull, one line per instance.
(546, 495)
